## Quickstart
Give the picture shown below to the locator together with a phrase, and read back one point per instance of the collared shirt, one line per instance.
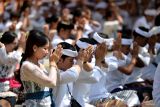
(102, 92)
(62, 97)
(82, 85)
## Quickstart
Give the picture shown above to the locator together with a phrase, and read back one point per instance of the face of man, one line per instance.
(66, 63)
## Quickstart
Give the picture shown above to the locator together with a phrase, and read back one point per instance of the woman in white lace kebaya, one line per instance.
(38, 82)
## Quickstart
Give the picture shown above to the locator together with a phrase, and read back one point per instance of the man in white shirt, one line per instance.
(68, 73)
(63, 34)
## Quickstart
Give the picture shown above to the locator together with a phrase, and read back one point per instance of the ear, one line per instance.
(60, 60)
(34, 48)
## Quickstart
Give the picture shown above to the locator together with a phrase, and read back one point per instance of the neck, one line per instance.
(33, 60)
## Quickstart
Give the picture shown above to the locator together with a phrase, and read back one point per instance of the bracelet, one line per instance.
(53, 65)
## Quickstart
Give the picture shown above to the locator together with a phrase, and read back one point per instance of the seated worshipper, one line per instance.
(37, 82)
(90, 74)
(135, 81)
(101, 37)
(100, 97)
(116, 78)
(63, 34)
(69, 69)
(153, 49)
(146, 20)
(8, 61)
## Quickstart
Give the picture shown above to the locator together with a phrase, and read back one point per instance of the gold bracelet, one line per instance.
(53, 65)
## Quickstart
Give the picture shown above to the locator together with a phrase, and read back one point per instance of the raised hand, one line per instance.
(117, 43)
(152, 41)
(46, 29)
(135, 50)
(22, 40)
(56, 55)
(89, 52)
(1, 45)
(100, 52)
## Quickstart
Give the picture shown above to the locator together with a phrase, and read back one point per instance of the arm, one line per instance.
(90, 77)
(11, 59)
(70, 75)
(30, 72)
(129, 68)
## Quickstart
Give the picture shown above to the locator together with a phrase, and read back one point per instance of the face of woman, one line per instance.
(41, 52)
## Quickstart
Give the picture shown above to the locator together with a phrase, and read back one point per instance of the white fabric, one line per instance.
(141, 32)
(98, 38)
(8, 94)
(69, 52)
(8, 64)
(109, 42)
(126, 41)
(150, 12)
(129, 97)
(34, 86)
(82, 45)
(97, 93)
(149, 72)
(82, 85)
(116, 78)
(62, 97)
(156, 87)
(144, 55)
(87, 29)
(136, 75)
(110, 28)
(56, 40)
(142, 22)
(154, 31)
(101, 5)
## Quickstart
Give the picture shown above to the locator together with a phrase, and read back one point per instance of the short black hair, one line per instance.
(127, 33)
(53, 18)
(64, 26)
(8, 37)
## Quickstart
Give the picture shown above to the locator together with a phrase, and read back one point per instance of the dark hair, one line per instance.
(53, 18)
(37, 38)
(63, 25)
(8, 37)
(76, 13)
(135, 34)
(157, 20)
(108, 14)
(127, 33)
(66, 45)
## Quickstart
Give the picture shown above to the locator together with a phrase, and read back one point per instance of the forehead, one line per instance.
(15, 40)
(69, 58)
